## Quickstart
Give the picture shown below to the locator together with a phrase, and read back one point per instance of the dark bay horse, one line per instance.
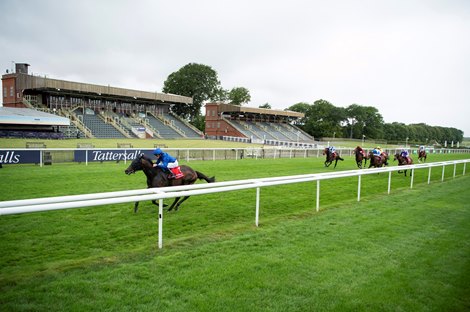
(378, 161)
(156, 177)
(402, 161)
(360, 156)
(422, 156)
(330, 157)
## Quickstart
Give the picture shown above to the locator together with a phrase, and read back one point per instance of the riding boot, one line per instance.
(171, 175)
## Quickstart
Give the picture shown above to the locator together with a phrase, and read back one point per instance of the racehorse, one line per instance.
(403, 161)
(330, 157)
(378, 161)
(156, 177)
(422, 156)
(360, 156)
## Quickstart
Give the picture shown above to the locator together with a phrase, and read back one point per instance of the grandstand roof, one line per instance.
(26, 116)
(243, 109)
(30, 82)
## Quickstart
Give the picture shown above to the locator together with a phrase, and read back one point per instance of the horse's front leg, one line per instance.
(136, 207)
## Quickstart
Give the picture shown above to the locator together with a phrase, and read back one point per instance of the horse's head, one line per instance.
(135, 165)
(325, 151)
(139, 163)
(396, 156)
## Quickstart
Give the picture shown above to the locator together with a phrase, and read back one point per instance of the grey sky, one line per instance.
(409, 59)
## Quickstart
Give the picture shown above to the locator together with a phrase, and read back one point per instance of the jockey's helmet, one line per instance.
(157, 151)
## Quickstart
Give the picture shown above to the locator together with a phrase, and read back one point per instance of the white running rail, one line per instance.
(97, 199)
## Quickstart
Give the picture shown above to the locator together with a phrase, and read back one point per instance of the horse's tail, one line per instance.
(202, 176)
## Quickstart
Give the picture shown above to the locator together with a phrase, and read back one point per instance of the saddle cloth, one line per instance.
(177, 172)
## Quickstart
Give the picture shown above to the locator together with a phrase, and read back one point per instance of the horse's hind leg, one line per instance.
(180, 202)
(136, 207)
(174, 203)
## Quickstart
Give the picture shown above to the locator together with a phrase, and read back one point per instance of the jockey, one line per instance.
(332, 150)
(421, 148)
(404, 153)
(168, 163)
(377, 151)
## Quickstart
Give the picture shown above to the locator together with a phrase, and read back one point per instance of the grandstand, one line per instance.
(97, 111)
(268, 126)
(31, 124)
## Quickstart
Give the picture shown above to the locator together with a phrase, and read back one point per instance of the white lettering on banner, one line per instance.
(133, 155)
(109, 156)
(9, 158)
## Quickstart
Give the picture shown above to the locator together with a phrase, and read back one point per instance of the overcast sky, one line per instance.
(408, 58)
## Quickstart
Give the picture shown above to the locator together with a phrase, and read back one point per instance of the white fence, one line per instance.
(49, 156)
(97, 199)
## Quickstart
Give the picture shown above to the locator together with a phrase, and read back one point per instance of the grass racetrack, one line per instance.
(407, 251)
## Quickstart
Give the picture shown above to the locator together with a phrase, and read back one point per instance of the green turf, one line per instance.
(407, 251)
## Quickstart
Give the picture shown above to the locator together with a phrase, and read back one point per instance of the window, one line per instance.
(5, 92)
(11, 91)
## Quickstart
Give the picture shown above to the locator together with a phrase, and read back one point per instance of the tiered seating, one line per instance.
(164, 131)
(126, 123)
(293, 131)
(275, 130)
(189, 132)
(71, 132)
(241, 127)
(261, 132)
(99, 128)
(31, 134)
(271, 131)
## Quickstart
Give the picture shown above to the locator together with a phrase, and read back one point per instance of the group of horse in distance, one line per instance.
(156, 177)
(375, 161)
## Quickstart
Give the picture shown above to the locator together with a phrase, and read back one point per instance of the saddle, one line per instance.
(177, 172)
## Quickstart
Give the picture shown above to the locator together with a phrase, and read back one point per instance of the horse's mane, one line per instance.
(146, 158)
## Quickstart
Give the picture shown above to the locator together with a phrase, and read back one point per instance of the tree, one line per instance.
(194, 80)
(363, 121)
(303, 108)
(265, 105)
(323, 119)
(239, 96)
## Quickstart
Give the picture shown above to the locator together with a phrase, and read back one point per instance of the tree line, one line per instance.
(322, 119)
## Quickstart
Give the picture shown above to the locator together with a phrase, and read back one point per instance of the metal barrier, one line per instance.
(97, 199)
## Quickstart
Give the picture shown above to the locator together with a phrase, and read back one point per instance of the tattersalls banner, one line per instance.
(108, 155)
(20, 156)
(32, 156)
